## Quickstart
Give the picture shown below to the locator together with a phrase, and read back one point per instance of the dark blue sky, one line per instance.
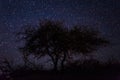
(104, 14)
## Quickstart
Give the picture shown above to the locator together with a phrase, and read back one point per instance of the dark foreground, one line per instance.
(36, 75)
(88, 72)
(65, 76)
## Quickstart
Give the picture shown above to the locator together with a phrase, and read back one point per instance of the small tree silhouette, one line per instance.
(6, 68)
(52, 38)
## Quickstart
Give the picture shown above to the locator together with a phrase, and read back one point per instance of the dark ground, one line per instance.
(65, 76)
(68, 77)
(86, 71)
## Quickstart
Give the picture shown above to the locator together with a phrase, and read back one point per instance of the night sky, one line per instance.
(104, 14)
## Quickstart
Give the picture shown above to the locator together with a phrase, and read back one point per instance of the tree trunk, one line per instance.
(54, 60)
(55, 68)
(56, 63)
(63, 61)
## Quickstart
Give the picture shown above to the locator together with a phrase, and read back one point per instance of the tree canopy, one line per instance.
(59, 42)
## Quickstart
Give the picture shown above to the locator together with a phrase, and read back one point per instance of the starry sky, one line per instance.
(103, 14)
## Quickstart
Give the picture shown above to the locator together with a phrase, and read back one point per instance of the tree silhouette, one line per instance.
(53, 39)
(6, 68)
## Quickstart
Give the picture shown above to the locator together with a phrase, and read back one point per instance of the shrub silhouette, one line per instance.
(6, 68)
